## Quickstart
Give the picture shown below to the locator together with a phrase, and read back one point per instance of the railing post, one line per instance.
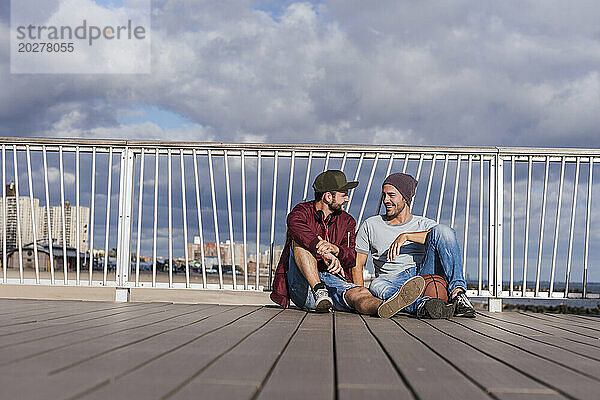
(125, 220)
(496, 215)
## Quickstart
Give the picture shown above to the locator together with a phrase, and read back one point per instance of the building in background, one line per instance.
(25, 219)
(210, 252)
(56, 225)
(28, 215)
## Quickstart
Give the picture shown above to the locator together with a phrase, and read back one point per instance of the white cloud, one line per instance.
(511, 73)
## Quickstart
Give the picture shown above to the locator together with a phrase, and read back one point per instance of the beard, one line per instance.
(394, 211)
(335, 207)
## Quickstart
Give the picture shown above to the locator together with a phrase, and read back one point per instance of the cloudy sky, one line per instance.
(522, 73)
(510, 73)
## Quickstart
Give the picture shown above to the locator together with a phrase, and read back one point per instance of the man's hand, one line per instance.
(394, 250)
(333, 264)
(323, 246)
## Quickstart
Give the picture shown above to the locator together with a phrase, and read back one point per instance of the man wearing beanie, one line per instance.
(405, 245)
(316, 267)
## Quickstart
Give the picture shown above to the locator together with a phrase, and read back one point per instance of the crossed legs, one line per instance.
(357, 297)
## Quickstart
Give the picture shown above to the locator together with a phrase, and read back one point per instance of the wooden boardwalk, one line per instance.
(96, 350)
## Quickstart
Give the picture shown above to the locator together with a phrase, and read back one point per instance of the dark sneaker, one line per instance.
(435, 309)
(463, 307)
(405, 296)
(323, 302)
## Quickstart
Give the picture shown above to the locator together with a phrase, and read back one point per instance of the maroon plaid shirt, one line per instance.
(304, 225)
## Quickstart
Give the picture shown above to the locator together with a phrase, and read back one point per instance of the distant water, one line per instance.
(592, 288)
(586, 303)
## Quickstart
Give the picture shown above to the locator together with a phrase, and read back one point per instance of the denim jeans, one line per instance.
(302, 295)
(442, 257)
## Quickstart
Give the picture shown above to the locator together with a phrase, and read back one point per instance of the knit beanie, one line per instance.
(406, 185)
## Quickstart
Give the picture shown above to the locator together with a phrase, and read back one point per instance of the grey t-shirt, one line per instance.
(376, 235)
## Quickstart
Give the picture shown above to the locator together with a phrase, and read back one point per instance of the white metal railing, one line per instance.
(234, 198)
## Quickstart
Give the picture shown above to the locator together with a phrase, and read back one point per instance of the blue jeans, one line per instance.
(442, 257)
(302, 295)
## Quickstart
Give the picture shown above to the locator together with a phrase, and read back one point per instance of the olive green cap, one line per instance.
(332, 181)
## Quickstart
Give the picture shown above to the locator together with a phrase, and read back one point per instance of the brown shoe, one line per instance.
(405, 296)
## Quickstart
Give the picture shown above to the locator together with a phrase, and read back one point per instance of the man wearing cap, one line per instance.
(316, 266)
(405, 245)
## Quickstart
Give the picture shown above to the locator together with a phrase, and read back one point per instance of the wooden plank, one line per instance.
(16, 315)
(73, 348)
(241, 372)
(498, 378)
(567, 358)
(102, 369)
(542, 325)
(55, 314)
(363, 369)
(567, 325)
(24, 332)
(429, 375)
(586, 319)
(562, 379)
(13, 308)
(61, 336)
(582, 345)
(306, 369)
(182, 357)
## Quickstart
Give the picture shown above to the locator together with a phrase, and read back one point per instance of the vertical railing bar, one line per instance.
(139, 225)
(291, 183)
(244, 222)
(420, 166)
(467, 206)
(389, 167)
(107, 228)
(368, 190)
(230, 219)
(19, 239)
(360, 161)
(91, 230)
(527, 212)
(184, 215)
(344, 161)
(557, 226)
(588, 218)
(480, 253)
(429, 183)
(77, 221)
(4, 201)
(496, 184)
(199, 214)
(455, 197)
(310, 156)
(47, 189)
(441, 199)
(542, 224)
(170, 212)
(512, 225)
(62, 209)
(274, 199)
(572, 227)
(258, 190)
(155, 232)
(326, 161)
(216, 223)
(33, 224)
(387, 173)
(405, 163)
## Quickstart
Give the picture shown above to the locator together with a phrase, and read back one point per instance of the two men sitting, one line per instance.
(323, 258)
